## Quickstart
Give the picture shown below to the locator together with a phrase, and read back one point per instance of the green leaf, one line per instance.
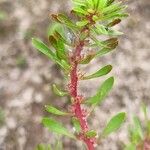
(90, 134)
(76, 124)
(110, 45)
(79, 3)
(102, 92)
(80, 10)
(90, 3)
(60, 51)
(100, 29)
(103, 71)
(57, 91)
(87, 59)
(45, 50)
(56, 27)
(103, 51)
(114, 124)
(65, 65)
(43, 147)
(114, 22)
(60, 37)
(82, 23)
(112, 8)
(56, 127)
(61, 18)
(58, 44)
(130, 147)
(55, 111)
(102, 4)
(109, 2)
(144, 110)
(134, 135)
(138, 127)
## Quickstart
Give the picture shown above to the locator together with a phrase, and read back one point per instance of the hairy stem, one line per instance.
(78, 111)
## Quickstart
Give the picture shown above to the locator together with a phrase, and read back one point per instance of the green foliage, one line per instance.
(91, 133)
(56, 127)
(55, 111)
(114, 124)
(76, 124)
(102, 92)
(58, 91)
(45, 50)
(68, 38)
(103, 71)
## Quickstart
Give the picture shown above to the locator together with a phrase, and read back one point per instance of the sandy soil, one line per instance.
(26, 75)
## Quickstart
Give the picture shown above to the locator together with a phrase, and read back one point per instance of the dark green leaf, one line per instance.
(114, 124)
(56, 127)
(102, 92)
(114, 22)
(103, 71)
(55, 111)
(58, 91)
(91, 134)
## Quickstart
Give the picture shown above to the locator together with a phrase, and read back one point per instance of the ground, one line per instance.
(26, 75)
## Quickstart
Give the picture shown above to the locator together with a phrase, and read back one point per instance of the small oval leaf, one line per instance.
(43, 48)
(90, 134)
(55, 111)
(114, 124)
(56, 127)
(103, 71)
(57, 91)
(102, 92)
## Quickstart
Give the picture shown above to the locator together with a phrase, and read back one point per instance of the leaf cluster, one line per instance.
(94, 18)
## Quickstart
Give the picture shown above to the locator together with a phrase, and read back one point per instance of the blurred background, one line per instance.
(26, 75)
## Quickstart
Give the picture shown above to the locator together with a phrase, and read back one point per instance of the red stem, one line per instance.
(78, 111)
